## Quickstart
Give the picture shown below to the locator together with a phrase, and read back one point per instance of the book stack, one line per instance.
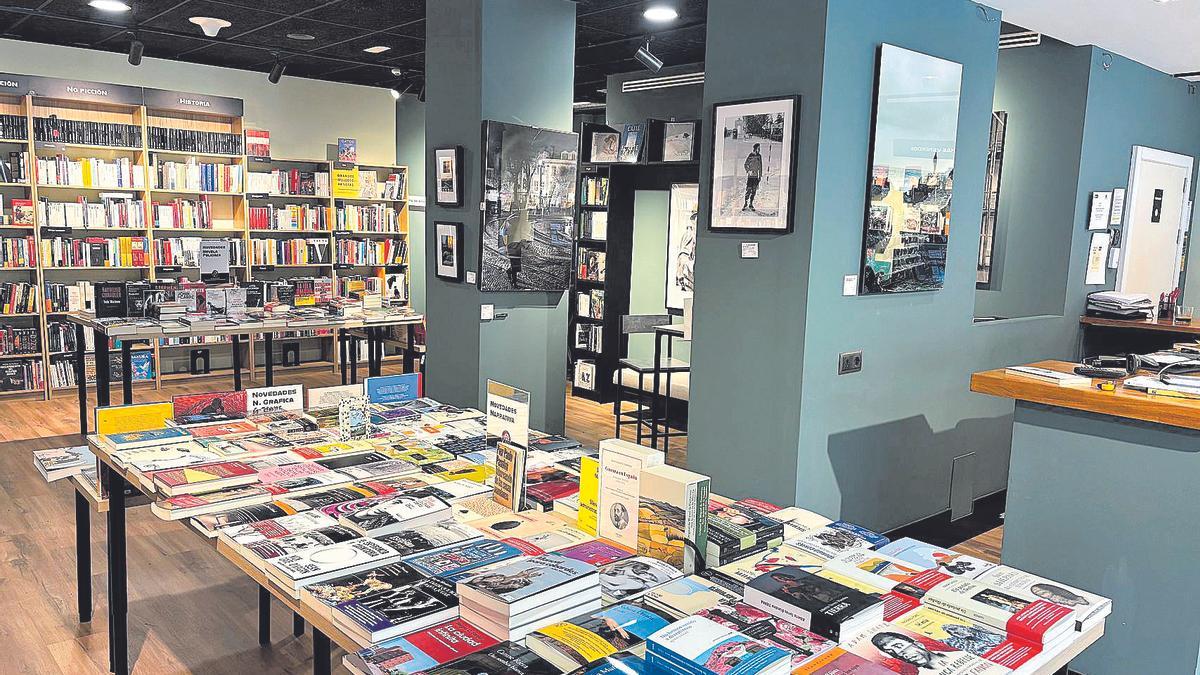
(825, 607)
(512, 600)
(596, 635)
(1113, 305)
(736, 531)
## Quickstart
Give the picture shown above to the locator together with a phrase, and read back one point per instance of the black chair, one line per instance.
(645, 415)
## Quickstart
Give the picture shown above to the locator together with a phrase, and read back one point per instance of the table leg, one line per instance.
(264, 616)
(103, 374)
(83, 556)
(237, 362)
(410, 350)
(667, 400)
(321, 651)
(268, 344)
(654, 392)
(81, 378)
(375, 346)
(126, 372)
(353, 360)
(342, 355)
(118, 600)
(297, 625)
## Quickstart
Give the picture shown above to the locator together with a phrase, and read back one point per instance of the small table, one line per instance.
(670, 332)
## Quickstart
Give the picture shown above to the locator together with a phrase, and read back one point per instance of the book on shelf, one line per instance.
(196, 176)
(13, 127)
(589, 337)
(114, 209)
(698, 646)
(309, 251)
(371, 252)
(59, 463)
(23, 212)
(822, 606)
(591, 265)
(258, 143)
(194, 140)
(593, 225)
(95, 252)
(584, 376)
(89, 172)
(183, 213)
(594, 191)
(54, 129)
(421, 650)
(289, 217)
(367, 218)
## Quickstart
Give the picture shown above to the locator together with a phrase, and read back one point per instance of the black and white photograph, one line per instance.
(681, 243)
(605, 145)
(529, 188)
(679, 141)
(449, 251)
(754, 152)
(911, 173)
(448, 162)
(633, 137)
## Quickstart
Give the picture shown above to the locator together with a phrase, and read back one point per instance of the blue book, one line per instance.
(456, 562)
(621, 664)
(875, 538)
(140, 439)
(700, 646)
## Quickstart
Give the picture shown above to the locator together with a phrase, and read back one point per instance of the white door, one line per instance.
(1155, 222)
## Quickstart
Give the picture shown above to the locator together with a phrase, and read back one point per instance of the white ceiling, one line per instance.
(1160, 35)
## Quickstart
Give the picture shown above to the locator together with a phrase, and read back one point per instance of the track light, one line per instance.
(395, 94)
(650, 61)
(277, 71)
(398, 72)
(136, 47)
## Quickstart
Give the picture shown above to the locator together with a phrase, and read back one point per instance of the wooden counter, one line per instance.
(1161, 325)
(1120, 403)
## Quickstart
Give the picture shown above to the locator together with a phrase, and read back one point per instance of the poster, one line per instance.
(1101, 210)
(754, 150)
(275, 399)
(345, 183)
(681, 243)
(394, 388)
(1097, 259)
(507, 415)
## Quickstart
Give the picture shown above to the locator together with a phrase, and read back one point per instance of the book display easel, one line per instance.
(114, 183)
(604, 254)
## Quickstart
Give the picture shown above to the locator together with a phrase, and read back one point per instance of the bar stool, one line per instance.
(643, 416)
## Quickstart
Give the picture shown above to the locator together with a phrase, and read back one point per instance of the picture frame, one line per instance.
(679, 141)
(682, 213)
(448, 238)
(741, 129)
(448, 176)
(605, 146)
(633, 137)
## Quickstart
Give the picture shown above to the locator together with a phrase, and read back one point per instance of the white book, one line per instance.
(1021, 616)
(326, 562)
(399, 513)
(828, 542)
(1052, 376)
(686, 645)
(1090, 609)
(273, 528)
(621, 465)
(873, 568)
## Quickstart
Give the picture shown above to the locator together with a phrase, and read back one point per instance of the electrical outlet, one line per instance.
(849, 362)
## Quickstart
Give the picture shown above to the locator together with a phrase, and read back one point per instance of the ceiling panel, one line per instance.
(353, 48)
(284, 7)
(371, 14)
(276, 35)
(243, 19)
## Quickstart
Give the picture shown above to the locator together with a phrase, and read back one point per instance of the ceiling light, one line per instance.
(136, 47)
(277, 71)
(650, 61)
(395, 94)
(209, 25)
(303, 37)
(398, 72)
(377, 49)
(109, 5)
(660, 14)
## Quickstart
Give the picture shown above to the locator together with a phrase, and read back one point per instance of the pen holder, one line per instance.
(1165, 310)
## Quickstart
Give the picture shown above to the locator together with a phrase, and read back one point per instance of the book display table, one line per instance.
(1101, 495)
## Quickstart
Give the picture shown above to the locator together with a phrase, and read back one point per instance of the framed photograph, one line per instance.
(679, 141)
(448, 162)
(681, 244)
(633, 137)
(911, 172)
(605, 145)
(449, 251)
(527, 241)
(754, 153)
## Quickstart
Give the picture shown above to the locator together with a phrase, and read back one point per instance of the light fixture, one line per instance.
(109, 5)
(377, 49)
(209, 25)
(136, 47)
(395, 94)
(660, 14)
(662, 82)
(650, 61)
(398, 72)
(303, 37)
(421, 95)
(277, 71)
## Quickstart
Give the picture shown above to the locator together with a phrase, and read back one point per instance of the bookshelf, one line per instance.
(184, 172)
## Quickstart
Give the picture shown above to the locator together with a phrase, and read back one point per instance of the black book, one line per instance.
(285, 293)
(826, 607)
(358, 586)
(506, 658)
(136, 293)
(399, 610)
(111, 300)
(344, 461)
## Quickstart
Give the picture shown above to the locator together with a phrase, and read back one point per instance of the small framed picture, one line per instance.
(753, 165)
(633, 136)
(449, 251)
(679, 141)
(605, 145)
(448, 163)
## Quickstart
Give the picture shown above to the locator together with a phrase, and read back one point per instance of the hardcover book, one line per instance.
(819, 605)
(903, 651)
(418, 652)
(697, 645)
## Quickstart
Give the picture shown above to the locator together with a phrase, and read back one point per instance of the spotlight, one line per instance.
(209, 25)
(398, 72)
(109, 5)
(650, 61)
(660, 14)
(136, 47)
(277, 71)
(395, 94)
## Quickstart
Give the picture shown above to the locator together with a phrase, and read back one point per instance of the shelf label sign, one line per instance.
(394, 388)
(345, 183)
(275, 399)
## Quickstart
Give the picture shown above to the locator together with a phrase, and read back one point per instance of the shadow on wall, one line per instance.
(888, 464)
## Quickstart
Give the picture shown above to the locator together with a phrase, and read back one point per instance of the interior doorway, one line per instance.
(1156, 220)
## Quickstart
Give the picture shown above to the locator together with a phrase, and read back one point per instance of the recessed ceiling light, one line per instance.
(209, 25)
(377, 49)
(303, 37)
(660, 14)
(109, 5)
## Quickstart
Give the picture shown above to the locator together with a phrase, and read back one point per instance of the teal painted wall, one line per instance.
(648, 275)
(1044, 91)
(410, 152)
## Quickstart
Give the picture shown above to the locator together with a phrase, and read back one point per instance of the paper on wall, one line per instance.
(1097, 259)
(1101, 211)
(1118, 206)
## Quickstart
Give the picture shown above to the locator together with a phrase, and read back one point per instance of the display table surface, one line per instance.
(1127, 403)
(1101, 485)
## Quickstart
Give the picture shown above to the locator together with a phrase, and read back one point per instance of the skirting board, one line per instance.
(939, 530)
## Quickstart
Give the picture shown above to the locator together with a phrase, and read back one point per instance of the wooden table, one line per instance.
(1121, 336)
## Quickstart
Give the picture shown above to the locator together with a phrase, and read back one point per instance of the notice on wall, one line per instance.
(1097, 260)
(275, 399)
(507, 415)
(1118, 206)
(1101, 210)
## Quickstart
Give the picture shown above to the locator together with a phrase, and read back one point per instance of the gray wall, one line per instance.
(410, 152)
(648, 273)
(681, 103)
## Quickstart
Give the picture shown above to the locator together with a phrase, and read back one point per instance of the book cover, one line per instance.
(589, 494)
(828, 542)
(399, 610)
(903, 651)
(1089, 607)
(734, 575)
(811, 602)
(621, 465)
(672, 507)
(512, 525)
(139, 417)
(596, 553)
(526, 578)
(509, 487)
(688, 595)
(421, 650)
(454, 561)
(196, 476)
(631, 577)
(928, 556)
(761, 625)
(838, 661)
(875, 569)
(877, 540)
(159, 458)
(149, 437)
(508, 658)
(223, 403)
(595, 635)
(345, 555)
(968, 636)
(282, 472)
(398, 512)
(353, 418)
(63, 462)
(621, 663)
(429, 537)
(301, 541)
(1021, 616)
(273, 528)
(220, 429)
(698, 642)
(559, 538)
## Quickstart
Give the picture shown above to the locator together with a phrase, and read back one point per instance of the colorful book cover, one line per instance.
(595, 635)
(276, 474)
(138, 417)
(902, 651)
(589, 493)
(596, 553)
(524, 578)
(393, 388)
(760, 625)
(672, 509)
(223, 429)
(735, 574)
(928, 556)
(420, 604)
(697, 641)
(422, 650)
(508, 658)
(197, 475)
(353, 418)
(838, 661)
(455, 561)
(232, 404)
(132, 439)
(968, 636)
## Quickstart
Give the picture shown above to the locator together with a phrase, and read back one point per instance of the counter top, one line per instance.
(1126, 403)
(1162, 325)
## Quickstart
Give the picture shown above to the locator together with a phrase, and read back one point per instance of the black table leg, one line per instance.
(654, 393)
(353, 360)
(83, 556)
(118, 601)
(375, 344)
(126, 372)
(81, 377)
(103, 372)
(237, 362)
(269, 345)
(264, 616)
(297, 625)
(410, 352)
(342, 355)
(321, 650)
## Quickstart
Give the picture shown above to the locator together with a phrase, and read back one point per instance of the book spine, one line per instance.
(776, 607)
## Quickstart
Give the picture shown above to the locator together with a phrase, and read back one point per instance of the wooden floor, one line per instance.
(190, 611)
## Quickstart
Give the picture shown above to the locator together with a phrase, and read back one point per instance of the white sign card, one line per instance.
(330, 397)
(1118, 206)
(1097, 260)
(507, 414)
(275, 399)
(1114, 258)
(214, 260)
(1101, 211)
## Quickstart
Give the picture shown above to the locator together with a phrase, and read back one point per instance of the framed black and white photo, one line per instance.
(449, 242)
(448, 162)
(681, 244)
(754, 155)
(679, 141)
(605, 145)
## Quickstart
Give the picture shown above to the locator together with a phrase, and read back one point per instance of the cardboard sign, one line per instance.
(507, 414)
(275, 399)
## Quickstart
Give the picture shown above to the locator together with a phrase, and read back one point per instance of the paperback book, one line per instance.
(698, 646)
(903, 651)
(595, 635)
(812, 603)
(396, 611)
(629, 578)
(326, 595)
(61, 463)
(419, 651)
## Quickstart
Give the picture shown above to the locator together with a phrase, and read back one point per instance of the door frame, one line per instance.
(1129, 234)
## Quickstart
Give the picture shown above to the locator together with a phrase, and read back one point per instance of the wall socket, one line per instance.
(849, 362)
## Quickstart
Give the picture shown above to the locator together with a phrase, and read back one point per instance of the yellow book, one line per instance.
(87, 173)
(115, 419)
(589, 493)
(851, 583)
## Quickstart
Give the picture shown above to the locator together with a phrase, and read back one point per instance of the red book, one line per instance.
(204, 478)
(423, 649)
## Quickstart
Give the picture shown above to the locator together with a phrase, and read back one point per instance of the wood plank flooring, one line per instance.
(190, 611)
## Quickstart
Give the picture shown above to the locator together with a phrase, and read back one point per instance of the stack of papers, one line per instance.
(1113, 305)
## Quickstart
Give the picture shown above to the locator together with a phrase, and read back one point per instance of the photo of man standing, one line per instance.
(754, 170)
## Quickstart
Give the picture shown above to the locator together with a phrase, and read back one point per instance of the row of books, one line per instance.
(375, 252)
(18, 253)
(193, 175)
(91, 172)
(95, 252)
(84, 132)
(258, 143)
(367, 218)
(290, 217)
(137, 299)
(185, 251)
(15, 340)
(589, 336)
(593, 191)
(63, 373)
(591, 265)
(370, 187)
(22, 375)
(289, 251)
(288, 182)
(16, 169)
(590, 304)
(18, 297)
(192, 140)
(113, 210)
(184, 213)
(12, 128)
(593, 225)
